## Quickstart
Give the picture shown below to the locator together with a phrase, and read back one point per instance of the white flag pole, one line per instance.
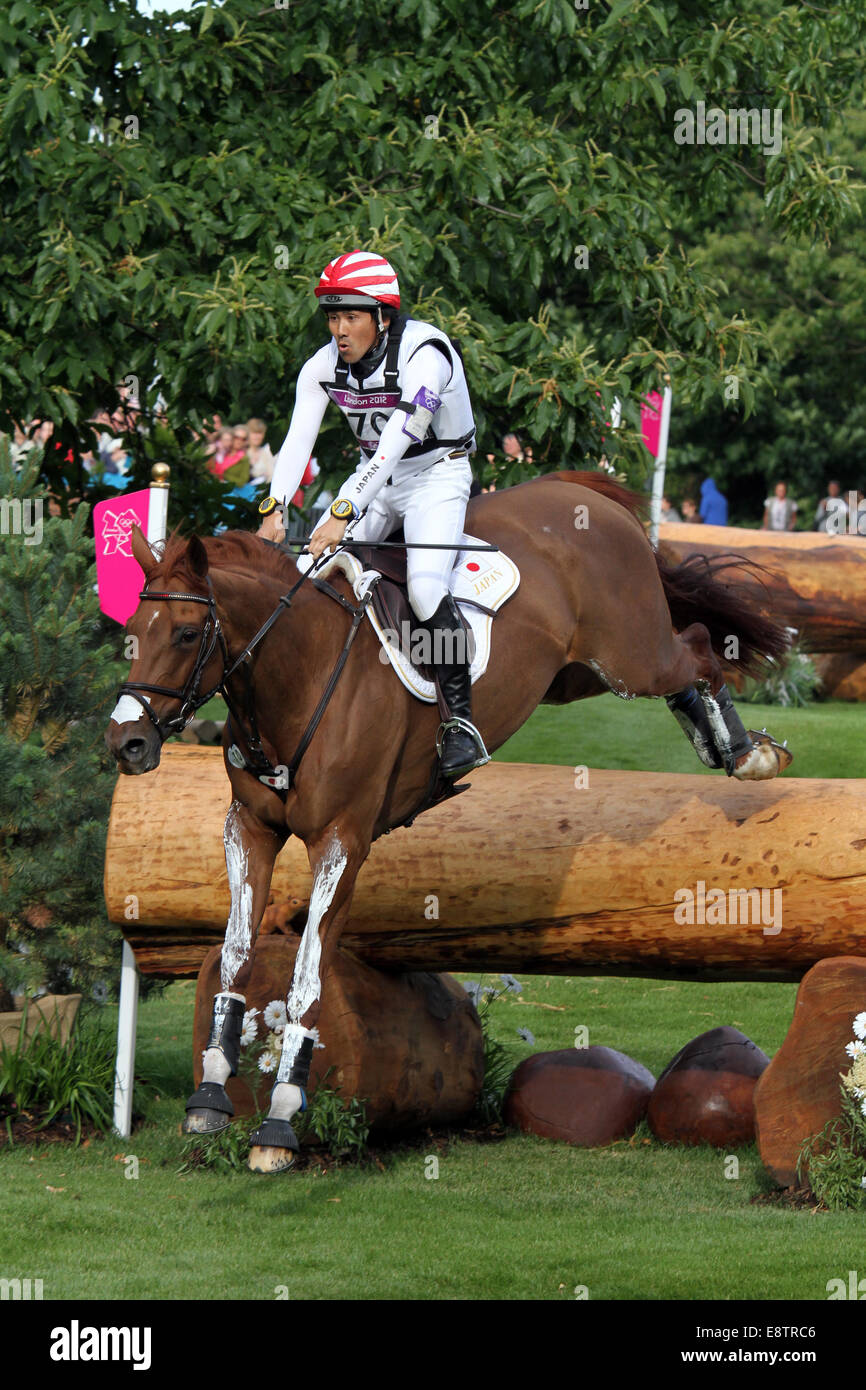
(157, 511)
(659, 470)
(127, 1017)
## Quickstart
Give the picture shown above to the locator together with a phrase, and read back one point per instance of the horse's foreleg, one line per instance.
(335, 861)
(250, 849)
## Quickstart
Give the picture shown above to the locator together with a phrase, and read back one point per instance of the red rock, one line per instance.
(800, 1090)
(705, 1095)
(587, 1096)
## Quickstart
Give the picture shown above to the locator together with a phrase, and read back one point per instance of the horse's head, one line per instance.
(178, 654)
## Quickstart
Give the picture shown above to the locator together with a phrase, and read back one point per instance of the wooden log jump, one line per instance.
(527, 871)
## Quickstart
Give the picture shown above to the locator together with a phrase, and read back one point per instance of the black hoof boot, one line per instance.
(208, 1110)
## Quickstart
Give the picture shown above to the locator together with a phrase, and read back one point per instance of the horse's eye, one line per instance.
(189, 634)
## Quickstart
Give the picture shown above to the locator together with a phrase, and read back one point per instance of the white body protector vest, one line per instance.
(367, 408)
(437, 415)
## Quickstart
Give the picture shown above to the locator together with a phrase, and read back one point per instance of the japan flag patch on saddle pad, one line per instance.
(478, 575)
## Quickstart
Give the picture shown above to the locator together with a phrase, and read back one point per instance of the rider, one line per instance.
(400, 384)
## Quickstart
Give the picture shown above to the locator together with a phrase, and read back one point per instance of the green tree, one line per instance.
(172, 186)
(809, 420)
(56, 685)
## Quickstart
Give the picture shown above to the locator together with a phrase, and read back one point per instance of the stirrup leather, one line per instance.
(465, 727)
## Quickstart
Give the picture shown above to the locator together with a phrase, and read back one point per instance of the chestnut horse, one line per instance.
(597, 609)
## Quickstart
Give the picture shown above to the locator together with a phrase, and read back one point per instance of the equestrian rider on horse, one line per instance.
(400, 384)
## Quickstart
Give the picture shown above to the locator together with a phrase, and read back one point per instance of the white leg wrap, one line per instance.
(216, 1067)
(286, 1095)
(285, 1101)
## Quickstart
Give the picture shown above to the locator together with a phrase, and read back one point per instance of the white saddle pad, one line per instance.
(490, 578)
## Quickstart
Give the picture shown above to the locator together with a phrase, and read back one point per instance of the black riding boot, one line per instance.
(459, 744)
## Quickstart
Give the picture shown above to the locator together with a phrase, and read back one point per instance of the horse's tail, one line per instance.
(696, 592)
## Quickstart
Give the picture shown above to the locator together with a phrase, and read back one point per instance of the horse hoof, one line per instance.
(208, 1110)
(765, 760)
(264, 1158)
(274, 1145)
(205, 1122)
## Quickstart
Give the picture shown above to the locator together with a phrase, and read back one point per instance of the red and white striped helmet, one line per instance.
(358, 280)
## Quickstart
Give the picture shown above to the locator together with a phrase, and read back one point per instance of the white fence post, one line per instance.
(127, 1018)
(659, 470)
(126, 1022)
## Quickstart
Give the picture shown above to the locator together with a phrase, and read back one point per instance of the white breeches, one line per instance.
(432, 507)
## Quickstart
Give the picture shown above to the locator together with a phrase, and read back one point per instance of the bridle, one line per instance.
(192, 698)
(189, 697)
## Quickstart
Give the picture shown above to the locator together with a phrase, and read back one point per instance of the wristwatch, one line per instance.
(343, 509)
(269, 505)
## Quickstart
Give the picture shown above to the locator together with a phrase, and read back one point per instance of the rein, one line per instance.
(192, 699)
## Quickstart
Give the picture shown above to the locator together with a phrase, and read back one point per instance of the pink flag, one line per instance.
(651, 421)
(120, 577)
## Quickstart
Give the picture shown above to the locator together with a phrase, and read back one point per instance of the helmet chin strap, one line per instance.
(372, 357)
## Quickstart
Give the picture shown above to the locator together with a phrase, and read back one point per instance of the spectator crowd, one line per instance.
(240, 456)
(833, 514)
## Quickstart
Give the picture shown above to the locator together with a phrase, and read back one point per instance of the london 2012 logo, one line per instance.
(116, 531)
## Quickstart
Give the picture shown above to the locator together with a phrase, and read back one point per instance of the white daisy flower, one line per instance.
(855, 1048)
(860, 1026)
(275, 1043)
(275, 1014)
(250, 1027)
(267, 1062)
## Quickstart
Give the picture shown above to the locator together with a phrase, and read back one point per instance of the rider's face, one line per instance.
(355, 332)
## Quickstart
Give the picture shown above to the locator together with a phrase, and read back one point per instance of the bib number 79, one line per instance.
(378, 420)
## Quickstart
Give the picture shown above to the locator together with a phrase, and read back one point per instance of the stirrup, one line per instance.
(465, 727)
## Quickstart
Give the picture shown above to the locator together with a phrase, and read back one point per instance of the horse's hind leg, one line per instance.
(706, 713)
(251, 849)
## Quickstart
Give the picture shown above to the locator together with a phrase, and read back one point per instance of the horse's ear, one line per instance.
(197, 557)
(141, 550)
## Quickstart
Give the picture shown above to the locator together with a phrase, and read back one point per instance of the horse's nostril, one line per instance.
(134, 749)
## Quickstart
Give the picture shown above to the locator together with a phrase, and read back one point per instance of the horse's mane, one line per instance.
(603, 483)
(237, 550)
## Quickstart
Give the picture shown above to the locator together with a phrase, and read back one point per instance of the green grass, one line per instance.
(524, 1218)
(642, 735)
(520, 1219)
